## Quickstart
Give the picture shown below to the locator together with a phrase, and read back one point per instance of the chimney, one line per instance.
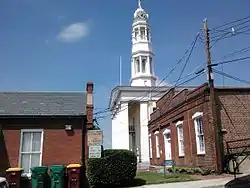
(90, 104)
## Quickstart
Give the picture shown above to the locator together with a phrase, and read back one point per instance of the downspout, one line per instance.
(84, 145)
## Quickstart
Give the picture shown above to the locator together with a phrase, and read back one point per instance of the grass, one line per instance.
(157, 178)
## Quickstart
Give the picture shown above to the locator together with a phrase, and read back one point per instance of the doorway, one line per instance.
(167, 142)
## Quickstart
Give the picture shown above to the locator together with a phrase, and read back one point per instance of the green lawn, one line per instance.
(156, 178)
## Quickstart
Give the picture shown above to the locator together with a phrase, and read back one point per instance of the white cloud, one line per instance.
(74, 32)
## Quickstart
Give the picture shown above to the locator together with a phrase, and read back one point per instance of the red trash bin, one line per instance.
(13, 176)
(74, 175)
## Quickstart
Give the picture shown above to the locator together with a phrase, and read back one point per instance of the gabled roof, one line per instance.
(43, 103)
(118, 89)
(161, 90)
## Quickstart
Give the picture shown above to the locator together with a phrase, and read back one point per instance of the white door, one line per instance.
(167, 146)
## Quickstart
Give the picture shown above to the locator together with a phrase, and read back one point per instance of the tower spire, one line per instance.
(139, 3)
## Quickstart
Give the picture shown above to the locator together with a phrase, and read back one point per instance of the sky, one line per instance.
(59, 45)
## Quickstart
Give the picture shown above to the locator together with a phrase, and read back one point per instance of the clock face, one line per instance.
(142, 15)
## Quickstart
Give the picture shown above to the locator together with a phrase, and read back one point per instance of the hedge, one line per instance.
(190, 170)
(117, 167)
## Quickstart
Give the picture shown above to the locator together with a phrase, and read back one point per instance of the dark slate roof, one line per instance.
(42, 103)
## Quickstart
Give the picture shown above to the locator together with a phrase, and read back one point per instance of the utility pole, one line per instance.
(216, 126)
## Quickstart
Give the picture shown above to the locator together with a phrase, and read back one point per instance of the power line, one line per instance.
(228, 34)
(230, 61)
(125, 108)
(229, 28)
(232, 77)
(170, 72)
(189, 55)
(231, 22)
(232, 32)
(243, 50)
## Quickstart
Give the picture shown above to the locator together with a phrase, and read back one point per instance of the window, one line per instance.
(136, 33)
(157, 144)
(150, 64)
(148, 35)
(144, 60)
(143, 33)
(179, 126)
(137, 64)
(30, 149)
(199, 132)
(150, 146)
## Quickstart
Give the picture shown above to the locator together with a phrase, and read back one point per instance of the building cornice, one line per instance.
(143, 52)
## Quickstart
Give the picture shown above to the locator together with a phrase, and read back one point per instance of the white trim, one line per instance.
(156, 132)
(150, 146)
(197, 114)
(157, 144)
(196, 136)
(169, 149)
(21, 143)
(166, 131)
(179, 123)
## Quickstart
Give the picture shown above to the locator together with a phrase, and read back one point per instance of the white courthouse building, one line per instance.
(132, 105)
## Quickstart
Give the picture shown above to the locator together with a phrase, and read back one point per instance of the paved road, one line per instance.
(214, 183)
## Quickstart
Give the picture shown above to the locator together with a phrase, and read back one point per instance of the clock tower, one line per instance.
(142, 62)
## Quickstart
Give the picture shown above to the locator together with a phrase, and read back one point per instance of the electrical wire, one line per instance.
(243, 50)
(230, 76)
(186, 81)
(231, 22)
(230, 61)
(215, 31)
(189, 55)
(228, 34)
(229, 29)
(170, 72)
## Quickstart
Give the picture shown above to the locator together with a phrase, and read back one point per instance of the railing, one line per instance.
(235, 149)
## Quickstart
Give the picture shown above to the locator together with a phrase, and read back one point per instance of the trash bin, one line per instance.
(57, 175)
(39, 177)
(74, 175)
(13, 176)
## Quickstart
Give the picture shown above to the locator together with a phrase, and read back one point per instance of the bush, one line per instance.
(189, 170)
(117, 167)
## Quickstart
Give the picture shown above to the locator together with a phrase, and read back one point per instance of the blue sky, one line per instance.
(59, 45)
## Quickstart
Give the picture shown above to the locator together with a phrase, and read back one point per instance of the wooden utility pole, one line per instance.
(216, 126)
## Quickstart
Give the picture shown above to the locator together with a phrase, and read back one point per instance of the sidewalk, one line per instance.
(212, 183)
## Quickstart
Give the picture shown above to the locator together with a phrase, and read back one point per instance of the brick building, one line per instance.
(44, 128)
(181, 127)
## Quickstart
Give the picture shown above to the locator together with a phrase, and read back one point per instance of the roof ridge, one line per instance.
(11, 92)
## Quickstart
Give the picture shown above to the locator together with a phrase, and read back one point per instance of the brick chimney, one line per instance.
(90, 104)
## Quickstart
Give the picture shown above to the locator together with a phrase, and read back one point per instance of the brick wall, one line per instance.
(181, 105)
(234, 109)
(59, 146)
(233, 106)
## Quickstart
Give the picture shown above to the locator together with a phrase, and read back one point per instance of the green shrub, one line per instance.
(190, 170)
(117, 167)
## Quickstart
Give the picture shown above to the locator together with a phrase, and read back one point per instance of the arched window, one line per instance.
(138, 64)
(150, 64)
(143, 64)
(143, 33)
(136, 31)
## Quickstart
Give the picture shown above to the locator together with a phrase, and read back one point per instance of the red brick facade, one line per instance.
(233, 105)
(60, 146)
